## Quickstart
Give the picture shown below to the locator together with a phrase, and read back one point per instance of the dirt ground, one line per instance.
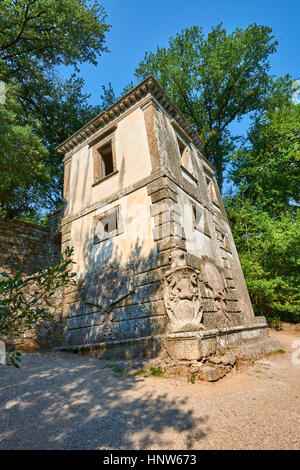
(65, 401)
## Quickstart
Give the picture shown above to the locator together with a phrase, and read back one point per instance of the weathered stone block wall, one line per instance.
(26, 247)
(135, 310)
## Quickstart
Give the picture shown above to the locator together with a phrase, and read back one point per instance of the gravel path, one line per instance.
(64, 401)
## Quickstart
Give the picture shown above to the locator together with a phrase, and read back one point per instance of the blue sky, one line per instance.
(139, 26)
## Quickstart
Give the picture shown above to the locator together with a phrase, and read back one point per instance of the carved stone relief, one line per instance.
(182, 295)
(107, 287)
(184, 290)
(215, 287)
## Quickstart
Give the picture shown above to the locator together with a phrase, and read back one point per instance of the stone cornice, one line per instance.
(149, 85)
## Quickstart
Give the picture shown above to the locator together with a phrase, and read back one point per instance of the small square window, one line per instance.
(106, 225)
(184, 153)
(200, 221)
(211, 191)
(181, 146)
(226, 244)
(196, 216)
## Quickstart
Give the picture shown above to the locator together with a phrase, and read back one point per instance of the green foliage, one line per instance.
(193, 377)
(25, 299)
(215, 80)
(23, 171)
(121, 370)
(108, 97)
(2, 213)
(118, 370)
(155, 371)
(267, 169)
(13, 357)
(269, 249)
(47, 33)
(264, 211)
(37, 36)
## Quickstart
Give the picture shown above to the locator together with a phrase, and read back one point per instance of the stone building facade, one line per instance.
(156, 264)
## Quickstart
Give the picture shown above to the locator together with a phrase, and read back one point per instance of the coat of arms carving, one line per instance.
(182, 295)
(184, 290)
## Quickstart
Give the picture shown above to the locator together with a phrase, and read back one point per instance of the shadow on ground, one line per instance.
(65, 401)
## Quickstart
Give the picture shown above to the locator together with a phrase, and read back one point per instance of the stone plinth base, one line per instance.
(196, 345)
(127, 349)
(248, 342)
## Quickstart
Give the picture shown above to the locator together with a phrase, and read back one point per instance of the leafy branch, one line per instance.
(25, 300)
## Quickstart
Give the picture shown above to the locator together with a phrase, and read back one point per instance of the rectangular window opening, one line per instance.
(186, 159)
(195, 219)
(107, 160)
(104, 160)
(200, 221)
(181, 146)
(184, 153)
(106, 226)
(197, 216)
(211, 190)
(109, 223)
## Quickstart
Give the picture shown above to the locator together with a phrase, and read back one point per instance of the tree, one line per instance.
(215, 80)
(264, 211)
(36, 36)
(267, 169)
(268, 248)
(108, 97)
(24, 300)
(23, 172)
(47, 33)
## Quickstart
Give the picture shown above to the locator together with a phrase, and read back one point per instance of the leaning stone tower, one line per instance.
(156, 264)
